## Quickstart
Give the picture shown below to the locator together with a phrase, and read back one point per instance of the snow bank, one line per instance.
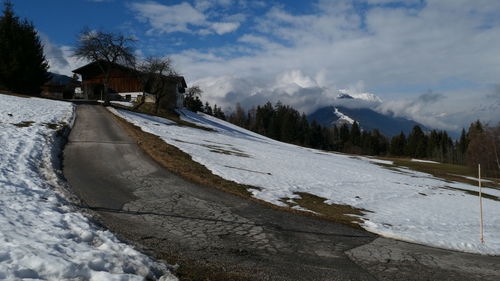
(123, 103)
(424, 161)
(41, 235)
(406, 204)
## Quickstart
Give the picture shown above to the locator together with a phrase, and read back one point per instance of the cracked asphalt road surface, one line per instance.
(160, 213)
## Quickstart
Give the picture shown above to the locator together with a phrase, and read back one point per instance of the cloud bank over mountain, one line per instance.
(435, 61)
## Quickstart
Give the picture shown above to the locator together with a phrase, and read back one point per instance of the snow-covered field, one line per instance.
(41, 236)
(406, 205)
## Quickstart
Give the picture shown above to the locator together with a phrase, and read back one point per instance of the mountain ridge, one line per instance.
(367, 118)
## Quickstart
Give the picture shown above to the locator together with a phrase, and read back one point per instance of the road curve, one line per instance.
(166, 216)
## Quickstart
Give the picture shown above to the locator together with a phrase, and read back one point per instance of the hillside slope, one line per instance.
(400, 203)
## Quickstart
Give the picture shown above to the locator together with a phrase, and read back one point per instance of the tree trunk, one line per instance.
(106, 84)
(157, 103)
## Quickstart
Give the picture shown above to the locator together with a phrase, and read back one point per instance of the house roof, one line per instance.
(94, 66)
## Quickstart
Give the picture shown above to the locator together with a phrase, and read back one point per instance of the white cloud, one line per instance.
(182, 17)
(203, 5)
(60, 58)
(224, 27)
(290, 87)
(169, 18)
(387, 48)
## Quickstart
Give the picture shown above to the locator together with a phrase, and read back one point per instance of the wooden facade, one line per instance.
(121, 79)
(124, 80)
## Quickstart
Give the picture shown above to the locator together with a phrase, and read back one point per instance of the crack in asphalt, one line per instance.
(274, 226)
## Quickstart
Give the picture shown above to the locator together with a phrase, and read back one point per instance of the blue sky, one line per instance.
(436, 62)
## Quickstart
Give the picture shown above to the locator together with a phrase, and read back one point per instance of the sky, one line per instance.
(436, 62)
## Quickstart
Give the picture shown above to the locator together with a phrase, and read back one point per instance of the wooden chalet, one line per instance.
(125, 84)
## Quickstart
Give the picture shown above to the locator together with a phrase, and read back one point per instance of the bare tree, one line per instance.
(238, 117)
(156, 75)
(494, 139)
(484, 148)
(107, 49)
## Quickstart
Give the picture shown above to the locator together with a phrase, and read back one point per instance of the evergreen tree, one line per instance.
(433, 146)
(336, 139)
(315, 136)
(398, 145)
(355, 134)
(23, 67)
(461, 147)
(208, 109)
(378, 144)
(219, 113)
(343, 135)
(417, 143)
(303, 130)
(365, 143)
(193, 103)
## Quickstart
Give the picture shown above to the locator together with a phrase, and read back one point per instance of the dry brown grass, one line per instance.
(341, 213)
(9, 93)
(183, 165)
(445, 171)
(196, 270)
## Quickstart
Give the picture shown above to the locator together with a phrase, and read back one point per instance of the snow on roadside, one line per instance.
(123, 103)
(41, 235)
(405, 204)
(424, 161)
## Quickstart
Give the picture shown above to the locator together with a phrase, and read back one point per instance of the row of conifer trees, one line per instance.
(284, 123)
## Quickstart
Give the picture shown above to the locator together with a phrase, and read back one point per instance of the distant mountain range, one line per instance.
(367, 118)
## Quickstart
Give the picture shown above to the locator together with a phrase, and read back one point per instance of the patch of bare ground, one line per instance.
(344, 214)
(183, 165)
(196, 270)
(60, 127)
(24, 124)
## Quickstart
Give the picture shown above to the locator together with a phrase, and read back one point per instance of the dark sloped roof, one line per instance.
(93, 66)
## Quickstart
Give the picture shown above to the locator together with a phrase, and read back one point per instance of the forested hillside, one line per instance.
(478, 144)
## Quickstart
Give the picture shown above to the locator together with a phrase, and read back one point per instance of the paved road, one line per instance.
(165, 215)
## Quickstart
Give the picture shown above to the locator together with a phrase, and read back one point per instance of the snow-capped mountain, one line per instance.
(344, 113)
(369, 97)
